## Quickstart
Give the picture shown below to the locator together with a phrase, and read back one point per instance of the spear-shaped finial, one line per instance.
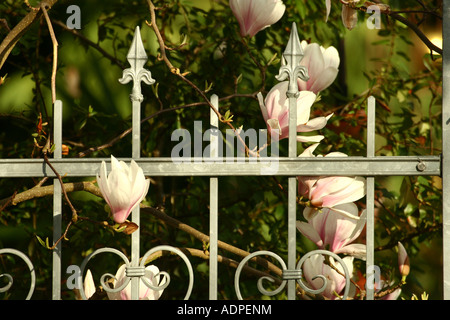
(137, 57)
(291, 68)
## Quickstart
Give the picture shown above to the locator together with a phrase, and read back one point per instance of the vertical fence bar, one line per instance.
(137, 57)
(446, 148)
(135, 214)
(57, 203)
(292, 70)
(213, 203)
(292, 182)
(370, 198)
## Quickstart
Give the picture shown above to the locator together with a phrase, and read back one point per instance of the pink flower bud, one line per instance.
(403, 261)
(123, 189)
(349, 17)
(256, 15)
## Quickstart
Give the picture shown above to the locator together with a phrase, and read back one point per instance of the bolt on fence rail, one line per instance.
(213, 166)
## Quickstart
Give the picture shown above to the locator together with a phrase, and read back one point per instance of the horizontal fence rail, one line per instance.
(165, 167)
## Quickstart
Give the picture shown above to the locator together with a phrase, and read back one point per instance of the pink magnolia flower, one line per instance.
(145, 293)
(275, 111)
(330, 191)
(322, 65)
(333, 231)
(123, 189)
(315, 265)
(256, 15)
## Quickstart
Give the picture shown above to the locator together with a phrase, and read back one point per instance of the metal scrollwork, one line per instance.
(138, 271)
(324, 279)
(10, 278)
(260, 280)
(295, 274)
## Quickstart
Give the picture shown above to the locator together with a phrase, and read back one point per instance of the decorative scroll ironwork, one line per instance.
(137, 271)
(295, 274)
(10, 278)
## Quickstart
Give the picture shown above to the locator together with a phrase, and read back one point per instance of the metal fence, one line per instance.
(215, 167)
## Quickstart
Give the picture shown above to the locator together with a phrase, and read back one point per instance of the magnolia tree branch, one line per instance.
(177, 72)
(385, 9)
(21, 28)
(42, 191)
(221, 259)
(55, 50)
(116, 139)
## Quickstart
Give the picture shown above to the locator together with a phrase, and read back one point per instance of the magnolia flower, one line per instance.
(322, 65)
(335, 281)
(330, 191)
(256, 15)
(403, 261)
(330, 230)
(275, 111)
(145, 293)
(123, 189)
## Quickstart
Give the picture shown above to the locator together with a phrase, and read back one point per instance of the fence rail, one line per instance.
(165, 167)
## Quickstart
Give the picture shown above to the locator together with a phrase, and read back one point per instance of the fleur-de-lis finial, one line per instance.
(137, 57)
(290, 64)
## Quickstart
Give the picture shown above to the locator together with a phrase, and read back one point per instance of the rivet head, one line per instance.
(421, 166)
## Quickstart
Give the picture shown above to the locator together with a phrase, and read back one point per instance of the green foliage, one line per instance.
(203, 42)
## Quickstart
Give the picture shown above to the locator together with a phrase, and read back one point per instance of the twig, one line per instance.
(128, 131)
(55, 50)
(177, 72)
(91, 188)
(44, 155)
(221, 259)
(205, 238)
(399, 18)
(20, 29)
(90, 43)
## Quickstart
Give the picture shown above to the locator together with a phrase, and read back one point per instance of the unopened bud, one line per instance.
(403, 261)
(349, 17)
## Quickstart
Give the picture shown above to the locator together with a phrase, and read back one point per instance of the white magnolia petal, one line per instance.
(317, 138)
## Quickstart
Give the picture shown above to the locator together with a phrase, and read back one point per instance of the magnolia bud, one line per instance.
(403, 261)
(349, 17)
